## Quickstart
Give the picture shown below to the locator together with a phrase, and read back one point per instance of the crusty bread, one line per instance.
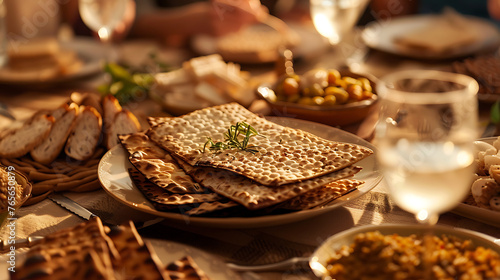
(52, 146)
(93, 100)
(22, 140)
(124, 122)
(86, 134)
(110, 107)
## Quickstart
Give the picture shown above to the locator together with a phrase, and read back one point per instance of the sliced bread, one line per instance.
(52, 146)
(21, 141)
(85, 135)
(124, 123)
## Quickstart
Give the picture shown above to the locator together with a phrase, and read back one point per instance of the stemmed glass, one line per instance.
(335, 20)
(425, 138)
(102, 16)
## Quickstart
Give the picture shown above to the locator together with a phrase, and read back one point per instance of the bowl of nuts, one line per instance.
(327, 96)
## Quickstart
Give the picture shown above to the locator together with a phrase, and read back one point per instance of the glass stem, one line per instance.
(430, 220)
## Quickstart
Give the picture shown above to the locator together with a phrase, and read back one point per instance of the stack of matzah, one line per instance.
(176, 169)
(93, 251)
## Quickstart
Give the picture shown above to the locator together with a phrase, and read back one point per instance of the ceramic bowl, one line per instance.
(334, 115)
(327, 249)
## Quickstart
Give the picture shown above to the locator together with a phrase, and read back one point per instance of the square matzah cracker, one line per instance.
(285, 155)
(253, 195)
(189, 204)
(157, 165)
(321, 195)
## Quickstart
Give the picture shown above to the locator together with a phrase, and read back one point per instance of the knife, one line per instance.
(71, 206)
(4, 111)
(75, 208)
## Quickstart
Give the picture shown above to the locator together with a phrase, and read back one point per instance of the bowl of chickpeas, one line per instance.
(328, 96)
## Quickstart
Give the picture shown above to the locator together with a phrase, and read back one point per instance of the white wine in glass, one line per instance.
(102, 16)
(425, 135)
(333, 19)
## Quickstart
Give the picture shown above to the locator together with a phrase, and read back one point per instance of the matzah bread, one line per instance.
(189, 204)
(157, 165)
(81, 250)
(137, 259)
(253, 195)
(284, 156)
(93, 251)
(185, 268)
(321, 195)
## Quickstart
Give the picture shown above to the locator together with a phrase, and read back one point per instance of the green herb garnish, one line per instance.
(232, 139)
(495, 113)
(132, 83)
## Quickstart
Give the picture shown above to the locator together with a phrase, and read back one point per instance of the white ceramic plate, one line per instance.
(92, 53)
(214, 267)
(476, 213)
(381, 35)
(311, 44)
(321, 256)
(114, 178)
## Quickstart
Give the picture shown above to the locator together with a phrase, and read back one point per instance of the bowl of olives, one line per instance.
(327, 96)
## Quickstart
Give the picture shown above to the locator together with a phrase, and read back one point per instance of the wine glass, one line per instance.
(102, 16)
(334, 19)
(425, 134)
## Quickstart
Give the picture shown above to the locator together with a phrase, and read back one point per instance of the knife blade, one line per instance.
(84, 213)
(71, 206)
(4, 111)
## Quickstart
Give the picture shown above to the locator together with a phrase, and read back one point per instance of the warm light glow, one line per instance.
(422, 216)
(324, 28)
(103, 34)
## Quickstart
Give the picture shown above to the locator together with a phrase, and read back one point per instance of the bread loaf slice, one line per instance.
(124, 123)
(110, 107)
(85, 135)
(52, 146)
(21, 141)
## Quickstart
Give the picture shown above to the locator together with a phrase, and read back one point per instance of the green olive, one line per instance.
(330, 100)
(314, 90)
(290, 87)
(355, 92)
(365, 84)
(367, 94)
(333, 76)
(341, 95)
(293, 98)
(318, 100)
(351, 81)
(305, 100)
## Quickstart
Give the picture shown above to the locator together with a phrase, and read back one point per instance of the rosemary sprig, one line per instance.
(232, 139)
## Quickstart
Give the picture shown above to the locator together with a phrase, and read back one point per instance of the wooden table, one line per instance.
(252, 245)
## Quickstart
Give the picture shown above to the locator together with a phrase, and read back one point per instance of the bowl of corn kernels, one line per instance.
(328, 96)
(399, 251)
